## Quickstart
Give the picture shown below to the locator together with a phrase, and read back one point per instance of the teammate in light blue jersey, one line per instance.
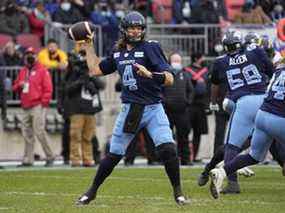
(269, 124)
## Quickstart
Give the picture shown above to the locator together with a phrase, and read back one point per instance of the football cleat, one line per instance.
(246, 172)
(217, 178)
(85, 199)
(182, 200)
(203, 179)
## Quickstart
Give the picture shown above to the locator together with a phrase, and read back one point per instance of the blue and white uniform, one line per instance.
(246, 73)
(270, 119)
(139, 90)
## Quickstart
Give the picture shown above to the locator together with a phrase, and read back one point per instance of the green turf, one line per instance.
(134, 190)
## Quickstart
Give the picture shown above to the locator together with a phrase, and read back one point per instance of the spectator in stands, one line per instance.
(178, 16)
(107, 19)
(34, 85)
(198, 117)
(277, 12)
(120, 10)
(177, 100)
(85, 7)
(12, 21)
(12, 56)
(83, 102)
(67, 13)
(141, 6)
(252, 14)
(51, 6)
(205, 13)
(267, 6)
(38, 18)
(53, 57)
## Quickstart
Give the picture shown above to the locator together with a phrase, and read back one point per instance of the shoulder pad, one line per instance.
(152, 44)
(153, 41)
(220, 56)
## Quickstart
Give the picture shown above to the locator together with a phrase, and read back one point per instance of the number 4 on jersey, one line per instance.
(279, 87)
(128, 78)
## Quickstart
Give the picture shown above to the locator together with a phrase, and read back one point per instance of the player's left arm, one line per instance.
(161, 71)
(164, 77)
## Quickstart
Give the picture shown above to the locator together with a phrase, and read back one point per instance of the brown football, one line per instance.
(80, 31)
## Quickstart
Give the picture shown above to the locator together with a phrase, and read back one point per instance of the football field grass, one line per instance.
(134, 190)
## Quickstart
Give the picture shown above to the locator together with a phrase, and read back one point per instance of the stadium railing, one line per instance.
(108, 95)
(186, 38)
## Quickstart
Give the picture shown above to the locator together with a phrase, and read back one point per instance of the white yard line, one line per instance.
(158, 200)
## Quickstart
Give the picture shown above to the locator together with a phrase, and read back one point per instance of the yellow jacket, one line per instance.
(52, 61)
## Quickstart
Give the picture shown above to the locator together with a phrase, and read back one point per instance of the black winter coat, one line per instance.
(80, 92)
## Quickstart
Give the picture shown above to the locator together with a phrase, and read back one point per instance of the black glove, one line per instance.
(90, 86)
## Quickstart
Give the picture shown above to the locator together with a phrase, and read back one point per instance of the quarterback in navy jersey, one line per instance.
(144, 70)
(269, 124)
(246, 73)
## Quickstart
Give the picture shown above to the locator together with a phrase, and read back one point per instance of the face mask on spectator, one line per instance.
(278, 8)
(30, 59)
(176, 66)
(39, 14)
(120, 14)
(186, 12)
(65, 6)
(106, 13)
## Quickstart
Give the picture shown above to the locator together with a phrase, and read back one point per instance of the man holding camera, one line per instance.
(83, 101)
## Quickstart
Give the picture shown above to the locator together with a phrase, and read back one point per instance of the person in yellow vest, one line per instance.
(52, 57)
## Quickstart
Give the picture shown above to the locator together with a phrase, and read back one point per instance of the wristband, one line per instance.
(159, 77)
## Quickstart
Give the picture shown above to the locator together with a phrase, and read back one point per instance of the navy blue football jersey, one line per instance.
(274, 102)
(246, 72)
(138, 89)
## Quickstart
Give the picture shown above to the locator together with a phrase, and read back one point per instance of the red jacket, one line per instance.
(37, 25)
(39, 89)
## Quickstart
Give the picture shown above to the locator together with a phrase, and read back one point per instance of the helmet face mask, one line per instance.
(130, 23)
(252, 38)
(232, 41)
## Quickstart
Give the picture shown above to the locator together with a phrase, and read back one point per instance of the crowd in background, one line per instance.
(30, 16)
(191, 93)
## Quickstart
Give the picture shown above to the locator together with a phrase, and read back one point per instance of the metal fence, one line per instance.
(108, 95)
(186, 39)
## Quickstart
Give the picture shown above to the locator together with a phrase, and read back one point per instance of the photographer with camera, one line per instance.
(81, 103)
